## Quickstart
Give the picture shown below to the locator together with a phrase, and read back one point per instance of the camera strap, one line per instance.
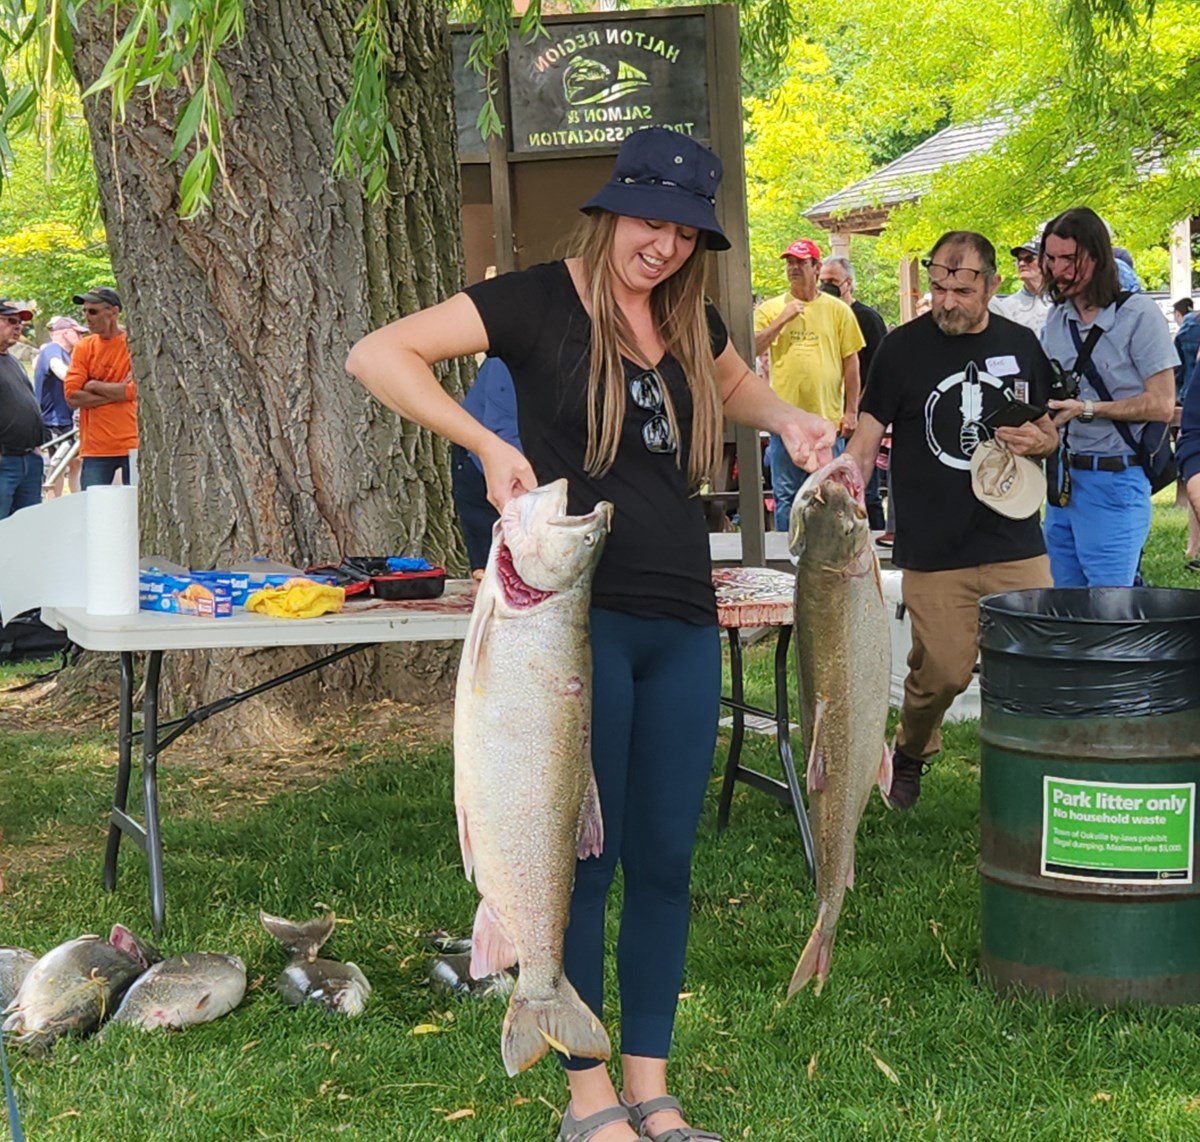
(1083, 364)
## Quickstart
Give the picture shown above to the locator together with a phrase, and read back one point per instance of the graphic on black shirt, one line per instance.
(954, 415)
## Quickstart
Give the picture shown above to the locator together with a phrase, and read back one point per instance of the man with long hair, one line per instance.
(1095, 538)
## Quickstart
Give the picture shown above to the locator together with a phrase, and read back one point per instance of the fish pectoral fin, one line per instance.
(203, 1001)
(590, 835)
(464, 842)
(481, 623)
(885, 772)
(492, 949)
(816, 754)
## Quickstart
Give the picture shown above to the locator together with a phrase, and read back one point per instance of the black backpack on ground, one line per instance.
(26, 637)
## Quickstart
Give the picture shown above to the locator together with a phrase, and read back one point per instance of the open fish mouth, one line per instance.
(842, 473)
(520, 594)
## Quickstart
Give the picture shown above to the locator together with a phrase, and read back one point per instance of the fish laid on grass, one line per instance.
(843, 652)
(75, 986)
(14, 967)
(338, 988)
(523, 783)
(184, 990)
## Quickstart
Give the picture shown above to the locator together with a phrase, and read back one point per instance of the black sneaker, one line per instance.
(906, 780)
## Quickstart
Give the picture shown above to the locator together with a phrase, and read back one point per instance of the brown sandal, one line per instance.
(581, 1129)
(640, 1111)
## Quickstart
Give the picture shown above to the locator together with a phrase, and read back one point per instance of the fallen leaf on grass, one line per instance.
(1191, 1105)
(425, 1029)
(889, 1074)
(251, 1045)
(519, 1100)
(466, 1112)
(812, 1066)
(72, 1113)
(1102, 1096)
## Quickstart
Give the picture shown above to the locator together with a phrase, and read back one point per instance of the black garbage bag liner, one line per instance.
(1091, 652)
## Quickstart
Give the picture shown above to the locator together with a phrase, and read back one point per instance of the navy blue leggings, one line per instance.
(656, 684)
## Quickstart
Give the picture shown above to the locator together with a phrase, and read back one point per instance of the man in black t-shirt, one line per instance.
(937, 380)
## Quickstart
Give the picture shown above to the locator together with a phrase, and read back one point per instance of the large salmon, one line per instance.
(843, 652)
(523, 782)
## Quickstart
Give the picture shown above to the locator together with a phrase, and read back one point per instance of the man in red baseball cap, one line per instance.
(813, 340)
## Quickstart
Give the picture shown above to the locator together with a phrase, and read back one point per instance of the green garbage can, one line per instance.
(1090, 759)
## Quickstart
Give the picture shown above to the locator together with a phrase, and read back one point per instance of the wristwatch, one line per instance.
(1089, 412)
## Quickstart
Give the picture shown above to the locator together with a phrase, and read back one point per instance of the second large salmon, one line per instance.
(843, 654)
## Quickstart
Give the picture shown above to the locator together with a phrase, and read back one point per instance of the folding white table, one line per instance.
(153, 634)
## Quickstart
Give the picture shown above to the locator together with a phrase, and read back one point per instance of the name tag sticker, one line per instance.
(1005, 366)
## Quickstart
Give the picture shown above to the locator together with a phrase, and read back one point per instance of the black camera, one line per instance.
(1065, 382)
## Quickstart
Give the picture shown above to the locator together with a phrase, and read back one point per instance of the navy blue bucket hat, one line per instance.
(664, 175)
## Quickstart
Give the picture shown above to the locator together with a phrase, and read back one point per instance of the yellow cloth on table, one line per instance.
(297, 599)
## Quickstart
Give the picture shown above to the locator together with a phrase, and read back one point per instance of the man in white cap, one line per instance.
(48, 372)
(948, 382)
(813, 341)
(1027, 306)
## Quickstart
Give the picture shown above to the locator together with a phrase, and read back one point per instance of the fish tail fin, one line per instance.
(301, 939)
(561, 1020)
(814, 960)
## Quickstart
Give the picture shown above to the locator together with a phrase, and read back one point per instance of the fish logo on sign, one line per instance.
(587, 81)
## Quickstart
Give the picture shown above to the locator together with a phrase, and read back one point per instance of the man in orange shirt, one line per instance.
(99, 382)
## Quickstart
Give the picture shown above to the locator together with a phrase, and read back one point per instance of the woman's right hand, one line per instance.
(506, 471)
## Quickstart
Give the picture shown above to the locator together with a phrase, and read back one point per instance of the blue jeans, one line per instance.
(656, 684)
(786, 478)
(20, 482)
(1097, 539)
(102, 470)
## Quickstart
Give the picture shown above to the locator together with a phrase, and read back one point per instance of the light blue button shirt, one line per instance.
(1136, 344)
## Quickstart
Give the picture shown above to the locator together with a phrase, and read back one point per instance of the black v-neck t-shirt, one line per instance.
(656, 563)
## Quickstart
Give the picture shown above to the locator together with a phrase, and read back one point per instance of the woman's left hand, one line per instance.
(809, 440)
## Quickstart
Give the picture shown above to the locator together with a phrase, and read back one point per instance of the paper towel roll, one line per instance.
(111, 565)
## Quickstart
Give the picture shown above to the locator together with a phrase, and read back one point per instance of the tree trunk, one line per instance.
(253, 439)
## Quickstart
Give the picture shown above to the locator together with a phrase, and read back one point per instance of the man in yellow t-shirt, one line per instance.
(813, 341)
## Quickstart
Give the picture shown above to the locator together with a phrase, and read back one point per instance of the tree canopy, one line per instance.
(1098, 93)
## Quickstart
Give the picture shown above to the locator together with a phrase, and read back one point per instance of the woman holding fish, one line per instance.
(623, 377)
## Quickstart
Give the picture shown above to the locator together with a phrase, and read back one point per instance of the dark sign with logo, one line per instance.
(589, 84)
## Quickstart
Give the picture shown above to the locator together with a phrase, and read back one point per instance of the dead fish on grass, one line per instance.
(14, 967)
(451, 973)
(183, 991)
(337, 987)
(523, 783)
(843, 655)
(73, 987)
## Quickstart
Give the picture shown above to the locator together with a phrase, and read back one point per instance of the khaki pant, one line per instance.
(943, 607)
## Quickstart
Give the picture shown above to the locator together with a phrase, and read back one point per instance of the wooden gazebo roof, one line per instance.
(863, 207)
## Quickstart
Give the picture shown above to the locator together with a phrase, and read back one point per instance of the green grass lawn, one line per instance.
(905, 1043)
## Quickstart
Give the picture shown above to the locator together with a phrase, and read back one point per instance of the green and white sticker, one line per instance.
(1118, 833)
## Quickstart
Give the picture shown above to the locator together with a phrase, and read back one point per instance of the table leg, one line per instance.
(736, 733)
(783, 742)
(124, 756)
(158, 901)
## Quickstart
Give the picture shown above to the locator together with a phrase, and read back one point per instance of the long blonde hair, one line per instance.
(677, 307)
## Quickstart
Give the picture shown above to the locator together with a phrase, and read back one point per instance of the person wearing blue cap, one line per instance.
(623, 376)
